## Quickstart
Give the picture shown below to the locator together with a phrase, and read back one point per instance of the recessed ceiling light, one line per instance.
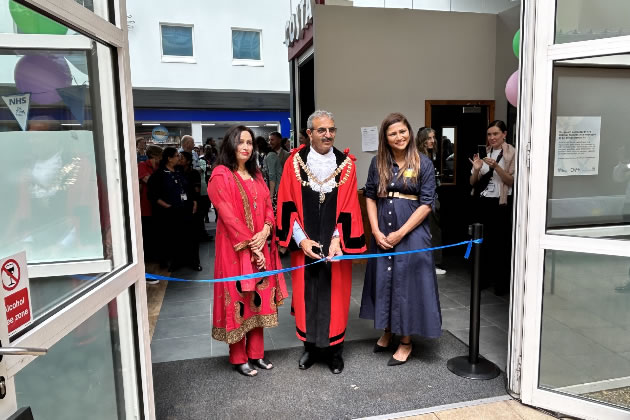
(151, 124)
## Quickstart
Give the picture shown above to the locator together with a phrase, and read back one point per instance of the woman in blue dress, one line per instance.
(400, 293)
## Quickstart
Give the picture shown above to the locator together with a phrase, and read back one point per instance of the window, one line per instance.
(246, 46)
(177, 43)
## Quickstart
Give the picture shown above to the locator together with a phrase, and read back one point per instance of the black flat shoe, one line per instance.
(380, 349)
(396, 362)
(307, 360)
(197, 267)
(336, 365)
(261, 363)
(245, 369)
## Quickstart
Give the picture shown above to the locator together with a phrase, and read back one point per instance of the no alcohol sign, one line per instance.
(15, 291)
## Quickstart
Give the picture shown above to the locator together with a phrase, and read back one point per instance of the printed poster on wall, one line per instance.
(369, 139)
(577, 146)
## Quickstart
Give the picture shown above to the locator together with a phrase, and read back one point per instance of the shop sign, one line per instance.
(159, 134)
(295, 26)
(15, 291)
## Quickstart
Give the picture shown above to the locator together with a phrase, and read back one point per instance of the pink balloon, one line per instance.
(41, 75)
(511, 88)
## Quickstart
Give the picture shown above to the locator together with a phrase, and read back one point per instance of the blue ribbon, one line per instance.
(337, 258)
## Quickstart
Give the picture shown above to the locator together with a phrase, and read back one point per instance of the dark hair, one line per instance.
(154, 151)
(275, 134)
(262, 145)
(303, 132)
(498, 123)
(209, 139)
(385, 159)
(227, 153)
(188, 156)
(167, 153)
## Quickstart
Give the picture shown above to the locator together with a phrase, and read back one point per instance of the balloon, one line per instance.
(30, 22)
(511, 88)
(516, 43)
(41, 75)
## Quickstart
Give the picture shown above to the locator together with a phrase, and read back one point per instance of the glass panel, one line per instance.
(100, 7)
(246, 45)
(48, 292)
(58, 212)
(589, 165)
(585, 343)
(18, 19)
(177, 41)
(448, 155)
(581, 20)
(83, 375)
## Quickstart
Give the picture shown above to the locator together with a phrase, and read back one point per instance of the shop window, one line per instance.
(177, 43)
(246, 46)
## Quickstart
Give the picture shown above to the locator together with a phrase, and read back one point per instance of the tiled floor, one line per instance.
(504, 410)
(184, 323)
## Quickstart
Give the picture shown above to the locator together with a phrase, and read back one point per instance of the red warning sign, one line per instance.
(10, 274)
(18, 309)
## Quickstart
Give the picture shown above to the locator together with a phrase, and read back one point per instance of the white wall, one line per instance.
(478, 6)
(370, 62)
(212, 22)
(508, 23)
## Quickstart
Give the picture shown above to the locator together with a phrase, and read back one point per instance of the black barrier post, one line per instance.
(471, 366)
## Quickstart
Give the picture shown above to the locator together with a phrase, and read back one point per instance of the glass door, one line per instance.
(69, 203)
(576, 336)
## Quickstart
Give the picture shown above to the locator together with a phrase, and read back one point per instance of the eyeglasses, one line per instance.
(322, 130)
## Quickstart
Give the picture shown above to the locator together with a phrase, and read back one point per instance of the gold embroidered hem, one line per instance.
(241, 245)
(256, 321)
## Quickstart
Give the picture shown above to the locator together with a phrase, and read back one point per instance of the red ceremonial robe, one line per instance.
(240, 306)
(321, 292)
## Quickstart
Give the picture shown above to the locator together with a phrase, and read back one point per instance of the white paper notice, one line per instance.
(369, 139)
(577, 146)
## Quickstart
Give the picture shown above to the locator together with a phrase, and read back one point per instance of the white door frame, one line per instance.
(117, 109)
(539, 54)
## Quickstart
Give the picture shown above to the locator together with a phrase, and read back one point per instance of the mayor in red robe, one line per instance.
(319, 216)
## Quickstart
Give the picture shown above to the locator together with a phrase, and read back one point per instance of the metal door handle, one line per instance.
(21, 351)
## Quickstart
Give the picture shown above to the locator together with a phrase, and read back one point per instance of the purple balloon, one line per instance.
(511, 89)
(41, 76)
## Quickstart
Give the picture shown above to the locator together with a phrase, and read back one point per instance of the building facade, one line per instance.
(202, 68)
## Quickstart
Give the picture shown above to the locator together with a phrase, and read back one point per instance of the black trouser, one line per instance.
(329, 353)
(496, 249)
(179, 243)
(148, 238)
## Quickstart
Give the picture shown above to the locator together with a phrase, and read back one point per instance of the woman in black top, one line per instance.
(174, 204)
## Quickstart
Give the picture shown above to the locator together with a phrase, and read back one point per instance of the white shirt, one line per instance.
(322, 166)
(492, 190)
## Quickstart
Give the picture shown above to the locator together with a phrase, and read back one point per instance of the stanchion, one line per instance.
(471, 366)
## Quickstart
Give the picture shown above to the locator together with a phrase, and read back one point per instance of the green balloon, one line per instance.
(31, 22)
(515, 43)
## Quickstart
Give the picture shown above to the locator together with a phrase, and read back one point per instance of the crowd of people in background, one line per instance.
(174, 194)
(314, 211)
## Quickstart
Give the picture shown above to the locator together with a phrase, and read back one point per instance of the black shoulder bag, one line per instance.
(484, 180)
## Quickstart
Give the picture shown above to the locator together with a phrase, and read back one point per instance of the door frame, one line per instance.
(490, 103)
(118, 105)
(539, 52)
